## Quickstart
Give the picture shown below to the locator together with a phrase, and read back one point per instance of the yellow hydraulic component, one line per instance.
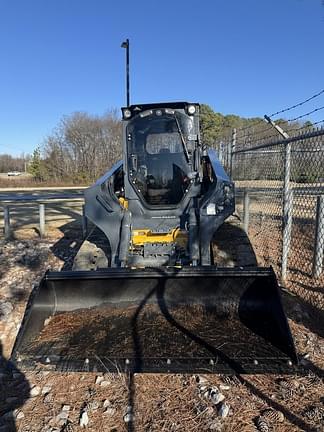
(142, 236)
(123, 202)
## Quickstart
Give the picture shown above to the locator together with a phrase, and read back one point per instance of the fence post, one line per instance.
(246, 211)
(228, 156)
(42, 220)
(6, 217)
(231, 150)
(286, 236)
(84, 223)
(319, 238)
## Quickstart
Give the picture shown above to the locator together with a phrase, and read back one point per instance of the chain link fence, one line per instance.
(284, 180)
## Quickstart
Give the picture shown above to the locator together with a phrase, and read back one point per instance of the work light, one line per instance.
(127, 114)
(191, 109)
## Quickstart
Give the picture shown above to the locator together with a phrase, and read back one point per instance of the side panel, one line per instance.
(103, 209)
(214, 207)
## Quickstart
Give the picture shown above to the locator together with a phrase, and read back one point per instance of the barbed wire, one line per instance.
(306, 114)
(316, 123)
(297, 105)
(296, 129)
(289, 131)
(285, 110)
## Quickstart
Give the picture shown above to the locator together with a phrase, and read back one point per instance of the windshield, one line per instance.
(157, 156)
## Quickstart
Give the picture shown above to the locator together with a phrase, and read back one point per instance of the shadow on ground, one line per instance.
(68, 246)
(14, 391)
(232, 246)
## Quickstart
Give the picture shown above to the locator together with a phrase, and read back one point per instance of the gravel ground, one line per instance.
(53, 402)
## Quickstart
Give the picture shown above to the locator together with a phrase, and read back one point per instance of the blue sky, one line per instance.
(246, 57)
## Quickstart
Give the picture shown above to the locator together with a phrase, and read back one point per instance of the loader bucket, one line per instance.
(192, 319)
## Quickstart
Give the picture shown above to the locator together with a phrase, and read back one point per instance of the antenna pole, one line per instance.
(126, 46)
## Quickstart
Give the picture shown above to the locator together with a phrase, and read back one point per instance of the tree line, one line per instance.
(83, 146)
(13, 163)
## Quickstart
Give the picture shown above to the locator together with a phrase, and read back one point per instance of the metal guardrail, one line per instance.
(7, 199)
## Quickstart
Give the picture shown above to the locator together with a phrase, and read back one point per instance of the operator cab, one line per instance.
(160, 146)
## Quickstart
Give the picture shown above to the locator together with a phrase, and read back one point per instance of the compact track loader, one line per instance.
(144, 293)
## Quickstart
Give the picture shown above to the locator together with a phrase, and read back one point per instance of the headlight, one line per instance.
(211, 209)
(191, 109)
(127, 114)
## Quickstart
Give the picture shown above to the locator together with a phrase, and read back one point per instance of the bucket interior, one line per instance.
(157, 321)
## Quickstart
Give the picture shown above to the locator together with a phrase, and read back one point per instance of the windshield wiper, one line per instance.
(184, 145)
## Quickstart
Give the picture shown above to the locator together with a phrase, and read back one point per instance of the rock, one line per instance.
(128, 417)
(203, 388)
(110, 411)
(84, 419)
(99, 379)
(106, 403)
(216, 396)
(47, 321)
(105, 383)
(223, 410)
(46, 390)
(206, 393)
(20, 415)
(201, 379)
(66, 408)
(35, 391)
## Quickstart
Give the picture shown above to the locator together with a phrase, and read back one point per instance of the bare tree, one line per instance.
(13, 163)
(83, 146)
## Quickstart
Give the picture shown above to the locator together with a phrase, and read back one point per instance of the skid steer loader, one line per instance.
(144, 294)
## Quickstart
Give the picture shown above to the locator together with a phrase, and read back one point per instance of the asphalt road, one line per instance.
(62, 206)
(32, 194)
